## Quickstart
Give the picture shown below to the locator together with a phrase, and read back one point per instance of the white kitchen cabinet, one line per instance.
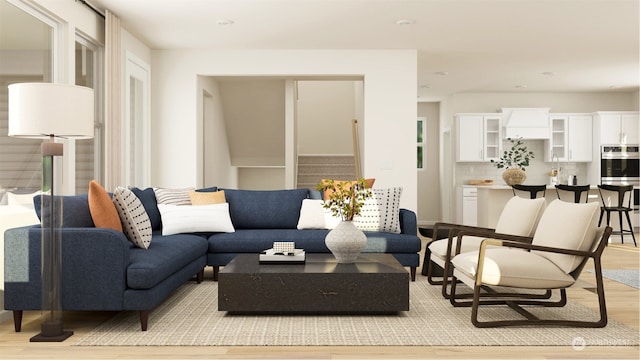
(478, 137)
(470, 206)
(571, 138)
(617, 127)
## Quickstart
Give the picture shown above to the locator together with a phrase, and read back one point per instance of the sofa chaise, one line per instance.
(104, 271)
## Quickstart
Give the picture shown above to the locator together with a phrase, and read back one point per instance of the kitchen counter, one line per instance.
(492, 199)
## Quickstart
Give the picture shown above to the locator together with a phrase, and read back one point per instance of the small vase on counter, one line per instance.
(514, 176)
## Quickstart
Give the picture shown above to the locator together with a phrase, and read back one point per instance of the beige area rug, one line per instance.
(190, 317)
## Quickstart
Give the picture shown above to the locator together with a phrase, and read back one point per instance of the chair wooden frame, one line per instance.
(533, 190)
(620, 208)
(515, 300)
(459, 231)
(454, 229)
(577, 191)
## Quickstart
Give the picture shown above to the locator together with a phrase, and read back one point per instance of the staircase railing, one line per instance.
(356, 147)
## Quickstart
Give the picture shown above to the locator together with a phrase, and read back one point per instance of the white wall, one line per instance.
(390, 91)
(325, 111)
(216, 169)
(429, 209)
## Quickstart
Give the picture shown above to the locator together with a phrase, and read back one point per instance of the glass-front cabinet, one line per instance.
(570, 138)
(478, 137)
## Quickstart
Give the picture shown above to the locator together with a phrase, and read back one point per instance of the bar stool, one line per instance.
(566, 192)
(621, 205)
(533, 190)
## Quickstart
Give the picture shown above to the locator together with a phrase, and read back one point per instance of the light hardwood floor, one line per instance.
(622, 305)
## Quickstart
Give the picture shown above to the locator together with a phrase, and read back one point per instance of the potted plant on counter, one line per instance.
(515, 160)
(345, 199)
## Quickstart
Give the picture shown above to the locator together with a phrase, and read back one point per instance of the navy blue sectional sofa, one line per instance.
(104, 271)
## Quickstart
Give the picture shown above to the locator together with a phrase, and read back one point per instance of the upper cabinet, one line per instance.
(479, 137)
(570, 139)
(618, 127)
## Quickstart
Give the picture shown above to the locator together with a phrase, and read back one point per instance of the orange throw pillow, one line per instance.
(326, 194)
(103, 211)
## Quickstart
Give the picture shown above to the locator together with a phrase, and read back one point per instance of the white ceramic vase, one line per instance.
(346, 242)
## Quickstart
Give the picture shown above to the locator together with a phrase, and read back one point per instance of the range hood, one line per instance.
(526, 123)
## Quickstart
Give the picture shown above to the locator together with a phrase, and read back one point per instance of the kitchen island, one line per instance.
(492, 199)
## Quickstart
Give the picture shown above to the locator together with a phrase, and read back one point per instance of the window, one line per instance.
(88, 72)
(136, 127)
(27, 53)
(421, 136)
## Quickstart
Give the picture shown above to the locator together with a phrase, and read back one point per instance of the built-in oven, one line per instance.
(620, 165)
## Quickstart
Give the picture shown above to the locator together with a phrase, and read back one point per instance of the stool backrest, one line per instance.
(615, 195)
(573, 193)
(531, 190)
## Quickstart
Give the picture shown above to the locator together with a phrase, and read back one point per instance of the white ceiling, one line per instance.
(482, 45)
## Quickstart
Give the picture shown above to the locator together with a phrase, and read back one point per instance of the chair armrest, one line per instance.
(527, 246)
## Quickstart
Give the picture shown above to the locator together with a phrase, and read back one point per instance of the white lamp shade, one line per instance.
(39, 110)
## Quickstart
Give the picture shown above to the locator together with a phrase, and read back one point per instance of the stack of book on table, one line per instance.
(283, 253)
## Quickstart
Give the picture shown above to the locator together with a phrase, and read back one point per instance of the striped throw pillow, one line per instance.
(173, 196)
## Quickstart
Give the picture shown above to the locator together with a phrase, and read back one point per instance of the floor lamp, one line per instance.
(50, 111)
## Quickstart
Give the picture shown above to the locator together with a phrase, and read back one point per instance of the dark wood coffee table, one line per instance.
(375, 283)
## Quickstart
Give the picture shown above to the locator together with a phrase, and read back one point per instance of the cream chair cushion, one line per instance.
(568, 226)
(520, 217)
(511, 267)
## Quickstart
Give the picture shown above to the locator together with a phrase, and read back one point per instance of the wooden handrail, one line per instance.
(356, 148)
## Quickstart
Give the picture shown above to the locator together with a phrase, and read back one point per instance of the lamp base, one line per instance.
(51, 331)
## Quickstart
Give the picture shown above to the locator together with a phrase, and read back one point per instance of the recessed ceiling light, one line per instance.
(405, 22)
(223, 22)
(443, 73)
(549, 73)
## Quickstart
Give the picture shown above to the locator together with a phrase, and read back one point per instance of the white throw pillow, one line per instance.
(380, 212)
(311, 215)
(21, 199)
(136, 224)
(198, 218)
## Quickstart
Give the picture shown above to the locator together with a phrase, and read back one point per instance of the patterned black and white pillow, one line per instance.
(380, 212)
(173, 196)
(135, 221)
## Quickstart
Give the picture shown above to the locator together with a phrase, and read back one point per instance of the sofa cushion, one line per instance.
(148, 199)
(265, 209)
(381, 211)
(208, 189)
(207, 197)
(189, 219)
(75, 209)
(312, 241)
(165, 256)
(103, 212)
(135, 221)
(173, 196)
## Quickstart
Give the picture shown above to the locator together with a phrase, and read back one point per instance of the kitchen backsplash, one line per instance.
(537, 171)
